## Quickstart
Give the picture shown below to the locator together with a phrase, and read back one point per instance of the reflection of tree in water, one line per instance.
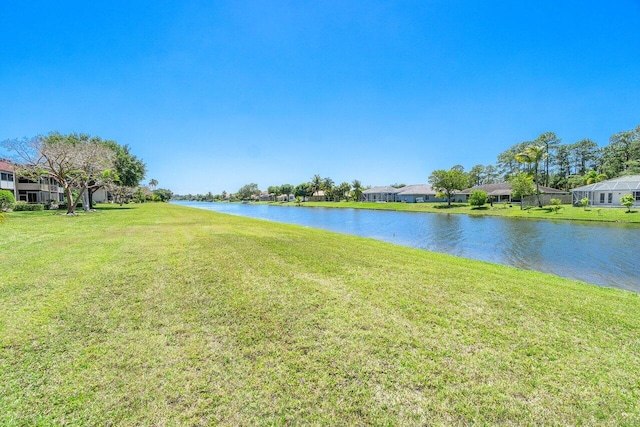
(521, 243)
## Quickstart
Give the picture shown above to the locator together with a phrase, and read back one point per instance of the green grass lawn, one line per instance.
(566, 212)
(160, 314)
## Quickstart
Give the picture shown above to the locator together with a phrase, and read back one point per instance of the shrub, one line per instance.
(24, 206)
(555, 205)
(627, 201)
(584, 203)
(478, 198)
(6, 200)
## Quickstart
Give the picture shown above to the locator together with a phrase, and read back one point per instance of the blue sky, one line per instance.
(213, 95)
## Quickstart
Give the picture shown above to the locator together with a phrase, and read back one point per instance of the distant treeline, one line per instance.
(564, 166)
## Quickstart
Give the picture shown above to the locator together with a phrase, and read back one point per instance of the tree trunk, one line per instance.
(91, 191)
(69, 196)
(75, 203)
(86, 205)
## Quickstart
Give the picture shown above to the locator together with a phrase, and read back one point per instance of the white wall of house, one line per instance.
(606, 197)
(100, 196)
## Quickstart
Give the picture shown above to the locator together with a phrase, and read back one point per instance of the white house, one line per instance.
(609, 192)
(417, 193)
(381, 194)
(8, 178)
(502, 192)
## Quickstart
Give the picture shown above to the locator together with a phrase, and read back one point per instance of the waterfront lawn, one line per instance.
(566, 212)
(160, 314)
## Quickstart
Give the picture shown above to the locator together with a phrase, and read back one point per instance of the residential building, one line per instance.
(418, 193)
(609, 192)
(8, 177)
(38, 190)
(501, 192)
(381, 194)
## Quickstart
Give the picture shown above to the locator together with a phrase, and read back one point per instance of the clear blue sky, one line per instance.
(213, 95)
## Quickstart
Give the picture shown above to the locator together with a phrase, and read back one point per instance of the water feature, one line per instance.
(602, 253)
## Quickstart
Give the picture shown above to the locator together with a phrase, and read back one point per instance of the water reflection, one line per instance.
(604, 254)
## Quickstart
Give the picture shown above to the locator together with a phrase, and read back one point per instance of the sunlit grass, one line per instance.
(164, 315)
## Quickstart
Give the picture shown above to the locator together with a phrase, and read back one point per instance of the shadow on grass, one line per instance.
(453, 205)
(110, 207)
(480, 208)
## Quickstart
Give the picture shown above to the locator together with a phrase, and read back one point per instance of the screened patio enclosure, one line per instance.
(609, 192)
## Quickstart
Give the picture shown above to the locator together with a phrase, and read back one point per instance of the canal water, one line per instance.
(606, 254)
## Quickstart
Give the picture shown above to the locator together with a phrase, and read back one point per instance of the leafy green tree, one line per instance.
(627, 201)
(521, 186)
(584, 155)
(328, 187)
(247, 191)
(7, 200)
(478, 198)
(533, 155)
(562, 160)
(274, 191)
(491, 175)
(621, 153)
(507, 162)
(476, 175)
(286, 189)
(448, 182)
(303, 191)
(550, 142)
(153, 183)
(357, 190)
(75, 161)
(592, 177)
(316, 184)
(126, 176)
(162, 194)
(342, 191)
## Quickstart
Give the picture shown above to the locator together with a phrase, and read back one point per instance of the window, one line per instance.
(6, 176)
(610, 198)
(601, 197)
(636, 195)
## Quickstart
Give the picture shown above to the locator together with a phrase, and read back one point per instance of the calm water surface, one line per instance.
(600, 253)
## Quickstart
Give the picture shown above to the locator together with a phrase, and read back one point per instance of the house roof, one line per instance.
(622, 183)
(504, 189)
(6, 166)
(416, 190)
(383, 189)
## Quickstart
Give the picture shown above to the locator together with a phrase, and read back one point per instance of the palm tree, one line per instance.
(153, 183)
(533, 155)
(316, 184)
(328, 187)
(357, 189)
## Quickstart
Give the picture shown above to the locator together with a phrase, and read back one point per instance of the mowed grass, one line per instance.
(166, 315)
(566, 212)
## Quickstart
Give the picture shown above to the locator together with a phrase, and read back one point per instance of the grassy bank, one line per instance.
(161, 314)
(567, 212)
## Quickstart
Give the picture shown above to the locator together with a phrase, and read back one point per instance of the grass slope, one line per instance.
(162, 315)
(567, 212)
